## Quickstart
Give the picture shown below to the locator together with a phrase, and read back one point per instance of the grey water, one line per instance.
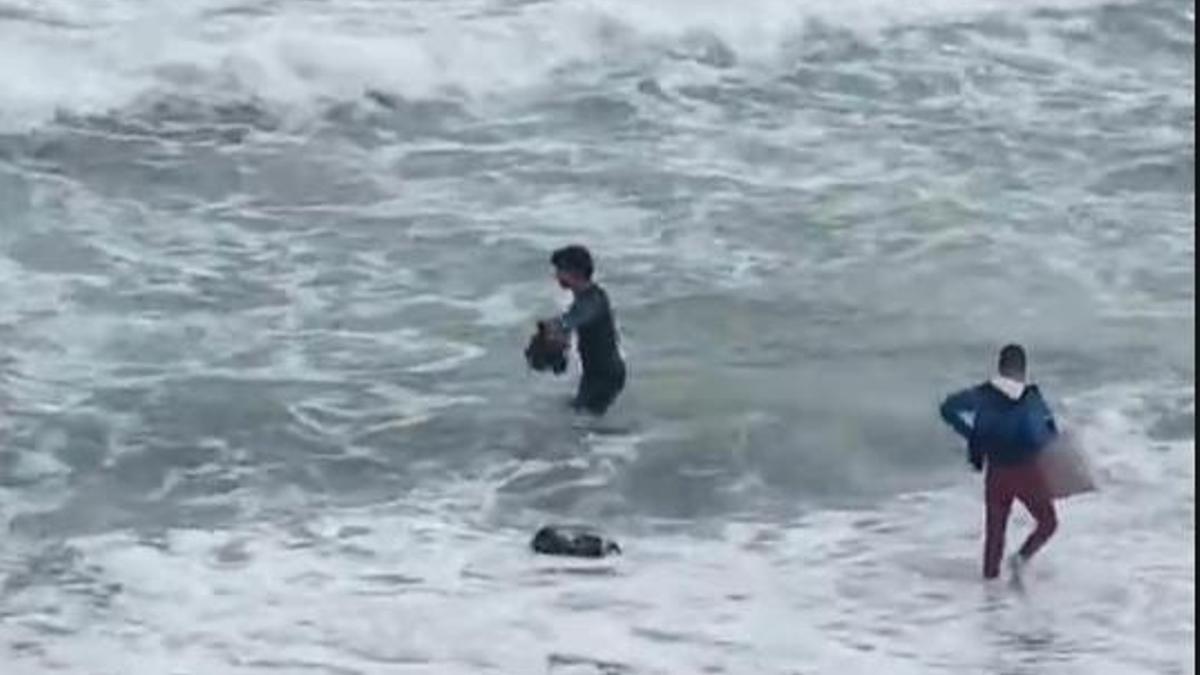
(266, 270)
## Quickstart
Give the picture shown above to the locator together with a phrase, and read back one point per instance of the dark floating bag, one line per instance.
(543, 353)
(577, 542)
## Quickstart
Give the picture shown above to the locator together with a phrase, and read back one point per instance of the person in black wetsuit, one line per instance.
(591, 317)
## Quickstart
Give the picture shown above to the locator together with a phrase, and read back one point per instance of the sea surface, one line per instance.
(267, 269)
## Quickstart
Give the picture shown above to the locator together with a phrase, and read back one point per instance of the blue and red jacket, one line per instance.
(1004, 431)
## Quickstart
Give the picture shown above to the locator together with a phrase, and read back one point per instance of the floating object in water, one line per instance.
(545, 353)
(574, 541)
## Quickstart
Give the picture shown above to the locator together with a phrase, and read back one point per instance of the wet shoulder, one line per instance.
(596, 293)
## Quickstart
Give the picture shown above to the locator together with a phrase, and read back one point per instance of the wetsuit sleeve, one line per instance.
(583, 311)
(955, 406)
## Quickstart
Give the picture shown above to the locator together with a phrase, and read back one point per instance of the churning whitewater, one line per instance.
(267, 270)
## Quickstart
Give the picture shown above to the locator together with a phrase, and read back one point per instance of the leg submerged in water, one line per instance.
(1030, 490)
(1041, 507)
(993, 542)
(998, 499)
(598, 392)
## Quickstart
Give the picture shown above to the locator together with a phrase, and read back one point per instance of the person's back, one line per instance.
(599, 353)
(1009, 431)
(1010, 425)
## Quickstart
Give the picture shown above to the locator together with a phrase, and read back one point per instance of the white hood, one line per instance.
(1008, 386)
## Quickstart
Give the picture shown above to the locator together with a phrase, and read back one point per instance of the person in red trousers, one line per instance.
(1007, 424)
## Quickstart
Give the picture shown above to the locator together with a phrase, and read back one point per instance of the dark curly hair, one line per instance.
(573, 258)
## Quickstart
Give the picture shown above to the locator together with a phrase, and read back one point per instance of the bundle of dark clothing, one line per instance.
(574, 541)
(545, 353)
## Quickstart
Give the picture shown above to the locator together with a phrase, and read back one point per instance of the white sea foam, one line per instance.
(118, 52)
(430, 587)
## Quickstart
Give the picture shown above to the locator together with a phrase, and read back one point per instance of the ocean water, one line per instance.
(266, 271)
